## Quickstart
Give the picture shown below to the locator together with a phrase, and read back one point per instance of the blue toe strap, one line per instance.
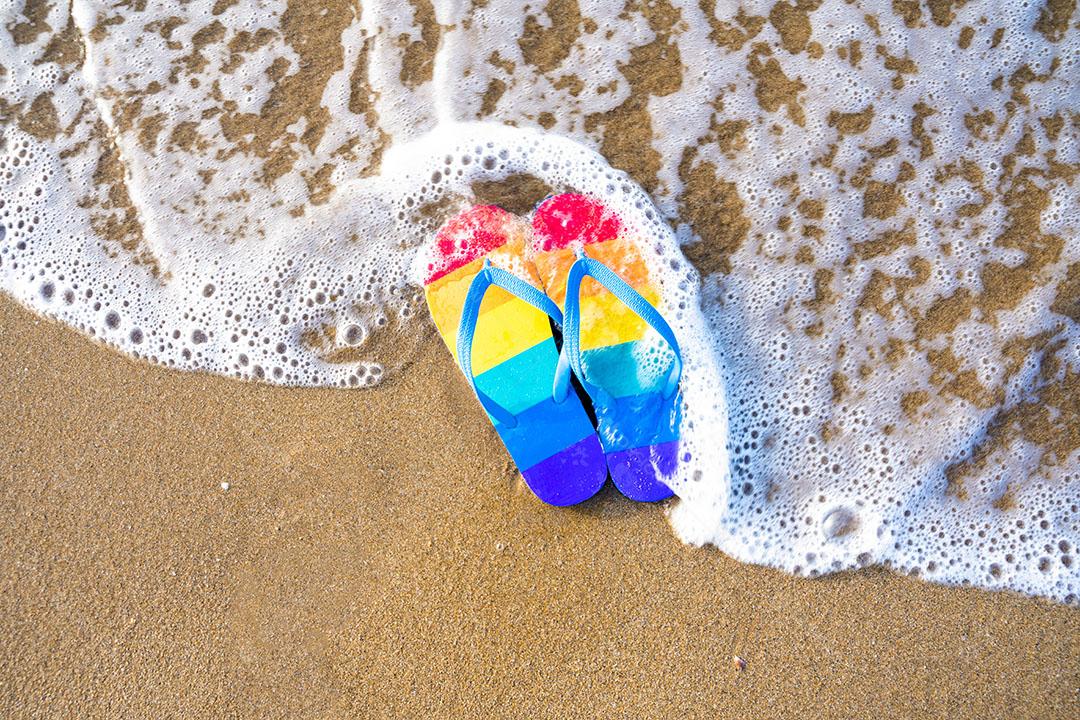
(470, 313)
(570, 357)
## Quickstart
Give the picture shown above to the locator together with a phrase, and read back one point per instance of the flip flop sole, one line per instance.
(637, 426)
(514, 356)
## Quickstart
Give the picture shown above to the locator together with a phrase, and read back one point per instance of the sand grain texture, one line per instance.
(404, 572)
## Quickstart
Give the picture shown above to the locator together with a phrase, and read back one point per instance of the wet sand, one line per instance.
(403, 571)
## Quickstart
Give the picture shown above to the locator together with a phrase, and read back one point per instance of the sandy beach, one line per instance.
(862, 217)
(402, 571)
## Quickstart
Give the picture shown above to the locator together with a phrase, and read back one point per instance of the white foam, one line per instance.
(219, 263)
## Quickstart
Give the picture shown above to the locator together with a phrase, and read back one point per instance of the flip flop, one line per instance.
(615, 341)
(484, 296)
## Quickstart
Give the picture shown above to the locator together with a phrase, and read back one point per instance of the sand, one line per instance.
(406, 572)
(185, 545)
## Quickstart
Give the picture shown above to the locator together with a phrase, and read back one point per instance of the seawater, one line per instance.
(864, 217)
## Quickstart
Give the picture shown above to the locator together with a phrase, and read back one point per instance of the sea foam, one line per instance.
(878, 208)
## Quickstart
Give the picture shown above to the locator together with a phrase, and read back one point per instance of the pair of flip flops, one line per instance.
(495, 285)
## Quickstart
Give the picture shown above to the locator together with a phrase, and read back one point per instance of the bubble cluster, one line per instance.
(885, 249)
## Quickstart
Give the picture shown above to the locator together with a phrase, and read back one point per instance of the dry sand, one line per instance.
(405, 572)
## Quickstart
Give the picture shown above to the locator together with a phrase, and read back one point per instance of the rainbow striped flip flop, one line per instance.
(484, 296)
(615, 341)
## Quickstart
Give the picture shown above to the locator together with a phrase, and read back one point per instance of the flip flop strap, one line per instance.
(570, 357)
(470, 313)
